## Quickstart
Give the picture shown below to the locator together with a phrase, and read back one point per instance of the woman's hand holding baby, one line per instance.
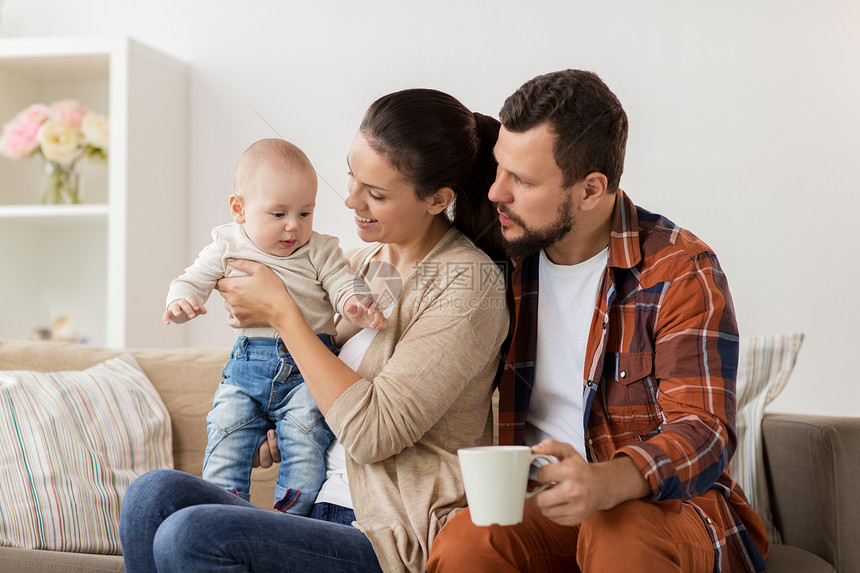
(258, 299)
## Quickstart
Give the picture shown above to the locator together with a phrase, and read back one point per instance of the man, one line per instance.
(622, 361)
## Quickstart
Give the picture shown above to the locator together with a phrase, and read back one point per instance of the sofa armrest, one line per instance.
(812, 467)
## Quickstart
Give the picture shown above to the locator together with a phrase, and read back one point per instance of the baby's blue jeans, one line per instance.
(263, 389)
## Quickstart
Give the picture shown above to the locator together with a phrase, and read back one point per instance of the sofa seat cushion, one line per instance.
(790, 559)
(39, 561)
(70, 444)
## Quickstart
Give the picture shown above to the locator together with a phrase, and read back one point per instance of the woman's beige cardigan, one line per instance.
(425, 392)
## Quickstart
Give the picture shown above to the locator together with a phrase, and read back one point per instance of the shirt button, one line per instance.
(709, 520)
(623, 374)
(590, 442)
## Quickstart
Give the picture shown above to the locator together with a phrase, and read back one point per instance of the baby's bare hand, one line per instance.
(182, 310)
(378, 321)
(363, 312)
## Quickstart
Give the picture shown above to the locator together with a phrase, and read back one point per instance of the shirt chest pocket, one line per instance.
(629, 393)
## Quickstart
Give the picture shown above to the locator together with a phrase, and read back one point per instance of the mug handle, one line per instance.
(534, 492)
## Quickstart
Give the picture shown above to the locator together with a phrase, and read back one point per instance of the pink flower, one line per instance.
(38, 113)
(68, 111)
(20, 139)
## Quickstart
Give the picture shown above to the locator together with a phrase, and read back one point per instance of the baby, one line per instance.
(272, 206)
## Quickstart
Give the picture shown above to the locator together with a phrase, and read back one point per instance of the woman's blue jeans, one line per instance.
(173, 521)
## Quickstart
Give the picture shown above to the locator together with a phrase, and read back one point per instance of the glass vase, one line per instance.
(62, 184)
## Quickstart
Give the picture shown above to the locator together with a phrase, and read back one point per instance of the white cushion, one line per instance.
(70, 444)
(764, 366)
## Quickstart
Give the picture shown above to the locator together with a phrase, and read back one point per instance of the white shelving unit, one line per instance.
(106, 263)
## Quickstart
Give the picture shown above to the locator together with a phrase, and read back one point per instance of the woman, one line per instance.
(409, 396)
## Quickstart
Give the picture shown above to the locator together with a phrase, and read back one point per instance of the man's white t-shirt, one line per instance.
(566, 300)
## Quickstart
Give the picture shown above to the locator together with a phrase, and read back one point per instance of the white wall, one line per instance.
(745, 121)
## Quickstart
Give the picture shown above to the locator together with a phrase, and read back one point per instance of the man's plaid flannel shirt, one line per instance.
(659, 380)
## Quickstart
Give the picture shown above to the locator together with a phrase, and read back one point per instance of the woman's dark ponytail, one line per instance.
(473, 212)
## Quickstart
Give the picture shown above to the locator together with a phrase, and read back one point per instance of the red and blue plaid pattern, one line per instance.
(659, 380)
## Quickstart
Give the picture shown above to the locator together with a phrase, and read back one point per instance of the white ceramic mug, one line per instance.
(496, 478)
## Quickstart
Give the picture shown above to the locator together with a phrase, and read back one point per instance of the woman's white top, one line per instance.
(335, 489)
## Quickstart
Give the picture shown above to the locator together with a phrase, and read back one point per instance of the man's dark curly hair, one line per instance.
(589, 123)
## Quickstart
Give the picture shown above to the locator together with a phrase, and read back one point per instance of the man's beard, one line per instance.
(531, 241)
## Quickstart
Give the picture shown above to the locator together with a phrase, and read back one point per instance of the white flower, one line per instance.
(95, 129)
(59, 141)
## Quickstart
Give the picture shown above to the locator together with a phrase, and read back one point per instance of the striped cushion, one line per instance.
(70, 444)
(764, 367)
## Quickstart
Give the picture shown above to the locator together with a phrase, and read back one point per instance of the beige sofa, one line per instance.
(811, 461)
